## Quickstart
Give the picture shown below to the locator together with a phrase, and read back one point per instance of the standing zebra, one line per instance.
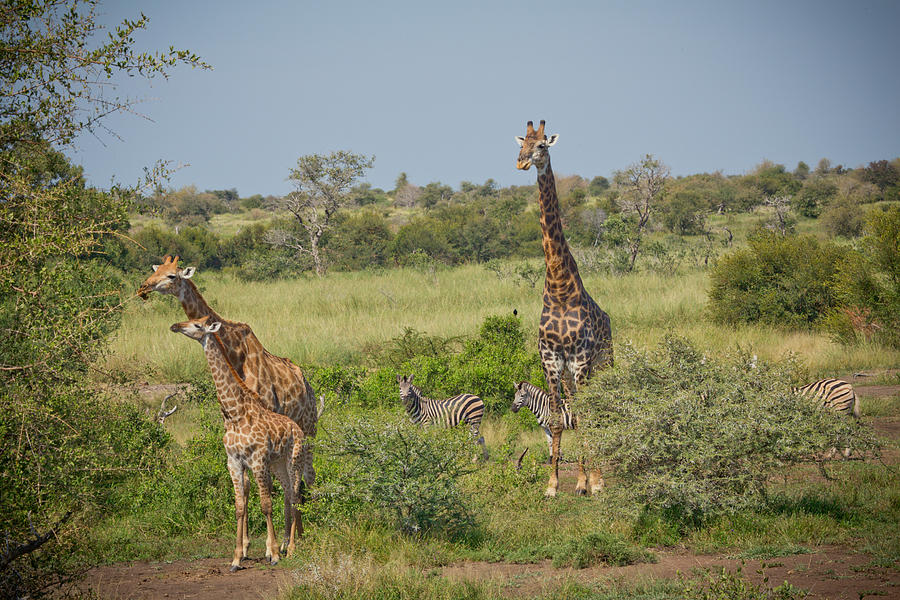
(834, 394)
(451, 412)
(538, 401)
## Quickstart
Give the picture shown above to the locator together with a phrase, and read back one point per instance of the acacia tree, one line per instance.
(322, 186)
(640, 187)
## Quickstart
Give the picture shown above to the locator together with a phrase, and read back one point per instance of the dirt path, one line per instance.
(830, 572)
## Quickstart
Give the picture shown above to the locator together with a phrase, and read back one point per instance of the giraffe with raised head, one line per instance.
(280, 383)
(574, 335)
(256, 439)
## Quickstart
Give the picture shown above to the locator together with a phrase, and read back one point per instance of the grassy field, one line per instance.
(339, 319)
(347, 318)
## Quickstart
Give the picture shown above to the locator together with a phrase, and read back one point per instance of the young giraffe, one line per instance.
(575, 334)
(256, 439)
(279, 382)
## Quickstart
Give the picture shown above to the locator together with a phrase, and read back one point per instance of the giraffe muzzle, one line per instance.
(523, 165)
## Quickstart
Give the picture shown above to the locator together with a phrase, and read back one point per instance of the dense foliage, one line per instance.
(63, 446)
(684, 431)
(867, 284)
(407, 473)
(780, 280)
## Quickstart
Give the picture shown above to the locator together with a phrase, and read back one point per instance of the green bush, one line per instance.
(843, 217)
(781, 280)
(867, 284)
(406, 473)
(699, 436)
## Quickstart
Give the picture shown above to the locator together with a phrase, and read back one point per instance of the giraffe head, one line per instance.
(197, 329)
(405, 384)
(166, 278)
(534, 147)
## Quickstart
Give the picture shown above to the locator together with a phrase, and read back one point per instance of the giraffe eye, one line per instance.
(170, 276)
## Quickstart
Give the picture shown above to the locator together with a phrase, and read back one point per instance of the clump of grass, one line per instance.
(600, 549)
(768, 551)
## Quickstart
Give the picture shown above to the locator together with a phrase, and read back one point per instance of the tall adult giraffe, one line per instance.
(279, 383)
(574, 334)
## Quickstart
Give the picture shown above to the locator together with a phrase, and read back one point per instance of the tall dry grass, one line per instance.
(342, 317)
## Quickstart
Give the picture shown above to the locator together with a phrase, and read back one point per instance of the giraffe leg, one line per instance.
(284, 478)
(553, 484)
(552, 365)
(264, 482)
(236, 470)
(595, 480)
(581, 486)
(549, 446)
(569, 386)
(245, 543)
(594, 484)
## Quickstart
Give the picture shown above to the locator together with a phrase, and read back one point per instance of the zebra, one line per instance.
(834, 394)
(466, 408)
(536, 399)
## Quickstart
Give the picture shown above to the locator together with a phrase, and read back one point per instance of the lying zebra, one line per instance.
(833, 394)
(451, 412)
(538, 401)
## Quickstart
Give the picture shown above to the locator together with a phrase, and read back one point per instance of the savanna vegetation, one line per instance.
(724, 290)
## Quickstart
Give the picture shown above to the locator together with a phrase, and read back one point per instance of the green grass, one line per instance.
(342, 318)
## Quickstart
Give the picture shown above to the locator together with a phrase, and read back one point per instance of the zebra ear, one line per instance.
(399, 378)
(410, 379)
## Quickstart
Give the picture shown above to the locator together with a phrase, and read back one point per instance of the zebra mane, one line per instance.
(534, 390)
(417, 393)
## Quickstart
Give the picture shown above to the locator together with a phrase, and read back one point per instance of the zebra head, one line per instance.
(522, 395)
(407, 392)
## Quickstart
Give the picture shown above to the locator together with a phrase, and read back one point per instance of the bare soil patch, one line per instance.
(832, 572)
(828, 572)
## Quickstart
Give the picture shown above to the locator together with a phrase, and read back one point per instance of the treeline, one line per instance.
(438, 224)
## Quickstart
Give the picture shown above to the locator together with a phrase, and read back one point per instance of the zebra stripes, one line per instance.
(464, 408)
(834, 394)
(538, 401)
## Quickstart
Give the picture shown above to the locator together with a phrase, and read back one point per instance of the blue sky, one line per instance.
(439, 90)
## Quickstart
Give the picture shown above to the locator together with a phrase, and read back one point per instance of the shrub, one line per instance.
(867, 284)
(814, 194)
(698, 436)
(405, 472)
(777, 280)
(843, 217)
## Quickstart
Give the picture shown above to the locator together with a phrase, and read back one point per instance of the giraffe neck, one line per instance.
(229, 387)
(195, 307)
(562, 279)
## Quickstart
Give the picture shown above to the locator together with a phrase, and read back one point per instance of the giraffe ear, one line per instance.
(155, 267)
(552, 139)
(520, 140)
(214, 327)
(188, 272)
